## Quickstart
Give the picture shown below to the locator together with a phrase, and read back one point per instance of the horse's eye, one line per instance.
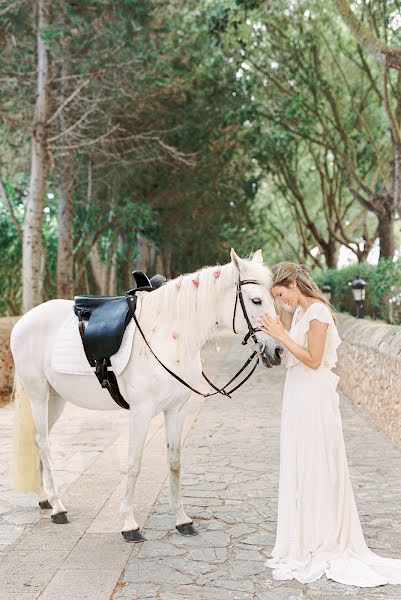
(256, 300)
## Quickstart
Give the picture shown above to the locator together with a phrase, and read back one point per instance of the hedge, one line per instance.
(383, 282)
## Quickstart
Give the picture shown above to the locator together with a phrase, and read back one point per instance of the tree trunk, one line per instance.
(166, 262)
(126, 269)
(158, 263)
(385, 55)
(112, 291)
(97, 268)
(362, 255)
(32, 248)
(107, 273)
(143, 253)
(386, 236)
(152, 260)
(81, 284)
(331, 253)
(65, 249)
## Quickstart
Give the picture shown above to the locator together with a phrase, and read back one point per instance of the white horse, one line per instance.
(177, 319)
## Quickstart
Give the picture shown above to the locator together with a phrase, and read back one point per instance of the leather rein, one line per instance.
(251, 333)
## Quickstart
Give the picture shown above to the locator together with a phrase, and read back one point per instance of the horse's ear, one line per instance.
(235, 259)
(257, 257)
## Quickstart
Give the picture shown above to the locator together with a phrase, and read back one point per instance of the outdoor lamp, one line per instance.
(358, 286)
(326, 289)
(394, 308)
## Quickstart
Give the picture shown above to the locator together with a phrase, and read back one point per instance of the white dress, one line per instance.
(318, 527)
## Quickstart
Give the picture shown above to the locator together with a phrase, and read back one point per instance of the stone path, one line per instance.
(230, 476)
(78, 439)
(84, 559)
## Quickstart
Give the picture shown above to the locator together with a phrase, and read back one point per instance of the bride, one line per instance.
(318, 527)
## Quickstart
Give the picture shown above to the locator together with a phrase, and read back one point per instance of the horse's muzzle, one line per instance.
(272, 359)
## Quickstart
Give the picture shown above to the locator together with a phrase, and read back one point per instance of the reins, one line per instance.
(251, 333)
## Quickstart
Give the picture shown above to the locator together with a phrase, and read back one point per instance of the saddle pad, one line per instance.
(68, 354)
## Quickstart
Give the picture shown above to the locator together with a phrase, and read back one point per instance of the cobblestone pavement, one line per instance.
(78, 439)
(84, 559)
(230, 479)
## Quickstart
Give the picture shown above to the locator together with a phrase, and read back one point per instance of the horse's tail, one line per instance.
(26, 472)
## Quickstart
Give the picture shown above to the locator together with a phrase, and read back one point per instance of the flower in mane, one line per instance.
(188, 303)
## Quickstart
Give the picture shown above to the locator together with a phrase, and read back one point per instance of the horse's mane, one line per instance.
(191, 307)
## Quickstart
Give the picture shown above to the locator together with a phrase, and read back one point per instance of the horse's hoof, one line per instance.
(187, 529)
(60, 518)
(45, 504)
(134, 536)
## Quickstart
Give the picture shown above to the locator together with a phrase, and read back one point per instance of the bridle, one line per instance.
(251, 330)
(259, 347)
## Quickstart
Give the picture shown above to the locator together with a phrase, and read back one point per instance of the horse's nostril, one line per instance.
(278, 352)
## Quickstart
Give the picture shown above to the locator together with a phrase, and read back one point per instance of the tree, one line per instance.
(313, 89)
(32, 250)
(388, 57)
(385, 55)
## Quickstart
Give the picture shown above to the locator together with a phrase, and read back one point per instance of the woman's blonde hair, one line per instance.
(285, 273)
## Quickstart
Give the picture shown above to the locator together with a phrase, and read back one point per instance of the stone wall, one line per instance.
(6, 359)
(370, 370)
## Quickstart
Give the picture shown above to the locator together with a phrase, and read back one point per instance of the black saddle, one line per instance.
(106, 319)
(142, 282)
(102, 324)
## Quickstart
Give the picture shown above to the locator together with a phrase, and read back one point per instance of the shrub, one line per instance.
(383, 282)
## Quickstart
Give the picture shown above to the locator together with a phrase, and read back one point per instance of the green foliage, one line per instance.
(11, 252)
(198, 127)
(317, 120)
(384, 281)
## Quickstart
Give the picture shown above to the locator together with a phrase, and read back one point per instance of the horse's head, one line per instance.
(247, 297)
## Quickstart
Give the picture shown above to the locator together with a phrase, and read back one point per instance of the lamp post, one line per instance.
(326, 289)
(358, 286)
(394, 308)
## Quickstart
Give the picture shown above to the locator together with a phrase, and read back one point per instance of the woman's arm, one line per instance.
(310, 356)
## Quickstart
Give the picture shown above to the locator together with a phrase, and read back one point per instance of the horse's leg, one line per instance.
(139, 421)
(38, 392)
(43, 495)
(174, 420)
(55, 408)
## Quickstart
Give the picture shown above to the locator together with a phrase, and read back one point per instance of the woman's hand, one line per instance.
(274, 328)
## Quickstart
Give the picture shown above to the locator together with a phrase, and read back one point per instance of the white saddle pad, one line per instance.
(68, 353)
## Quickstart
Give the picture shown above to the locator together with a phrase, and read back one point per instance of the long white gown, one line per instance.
(318, 527)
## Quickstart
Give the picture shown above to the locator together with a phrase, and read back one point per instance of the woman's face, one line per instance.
(286, 295)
